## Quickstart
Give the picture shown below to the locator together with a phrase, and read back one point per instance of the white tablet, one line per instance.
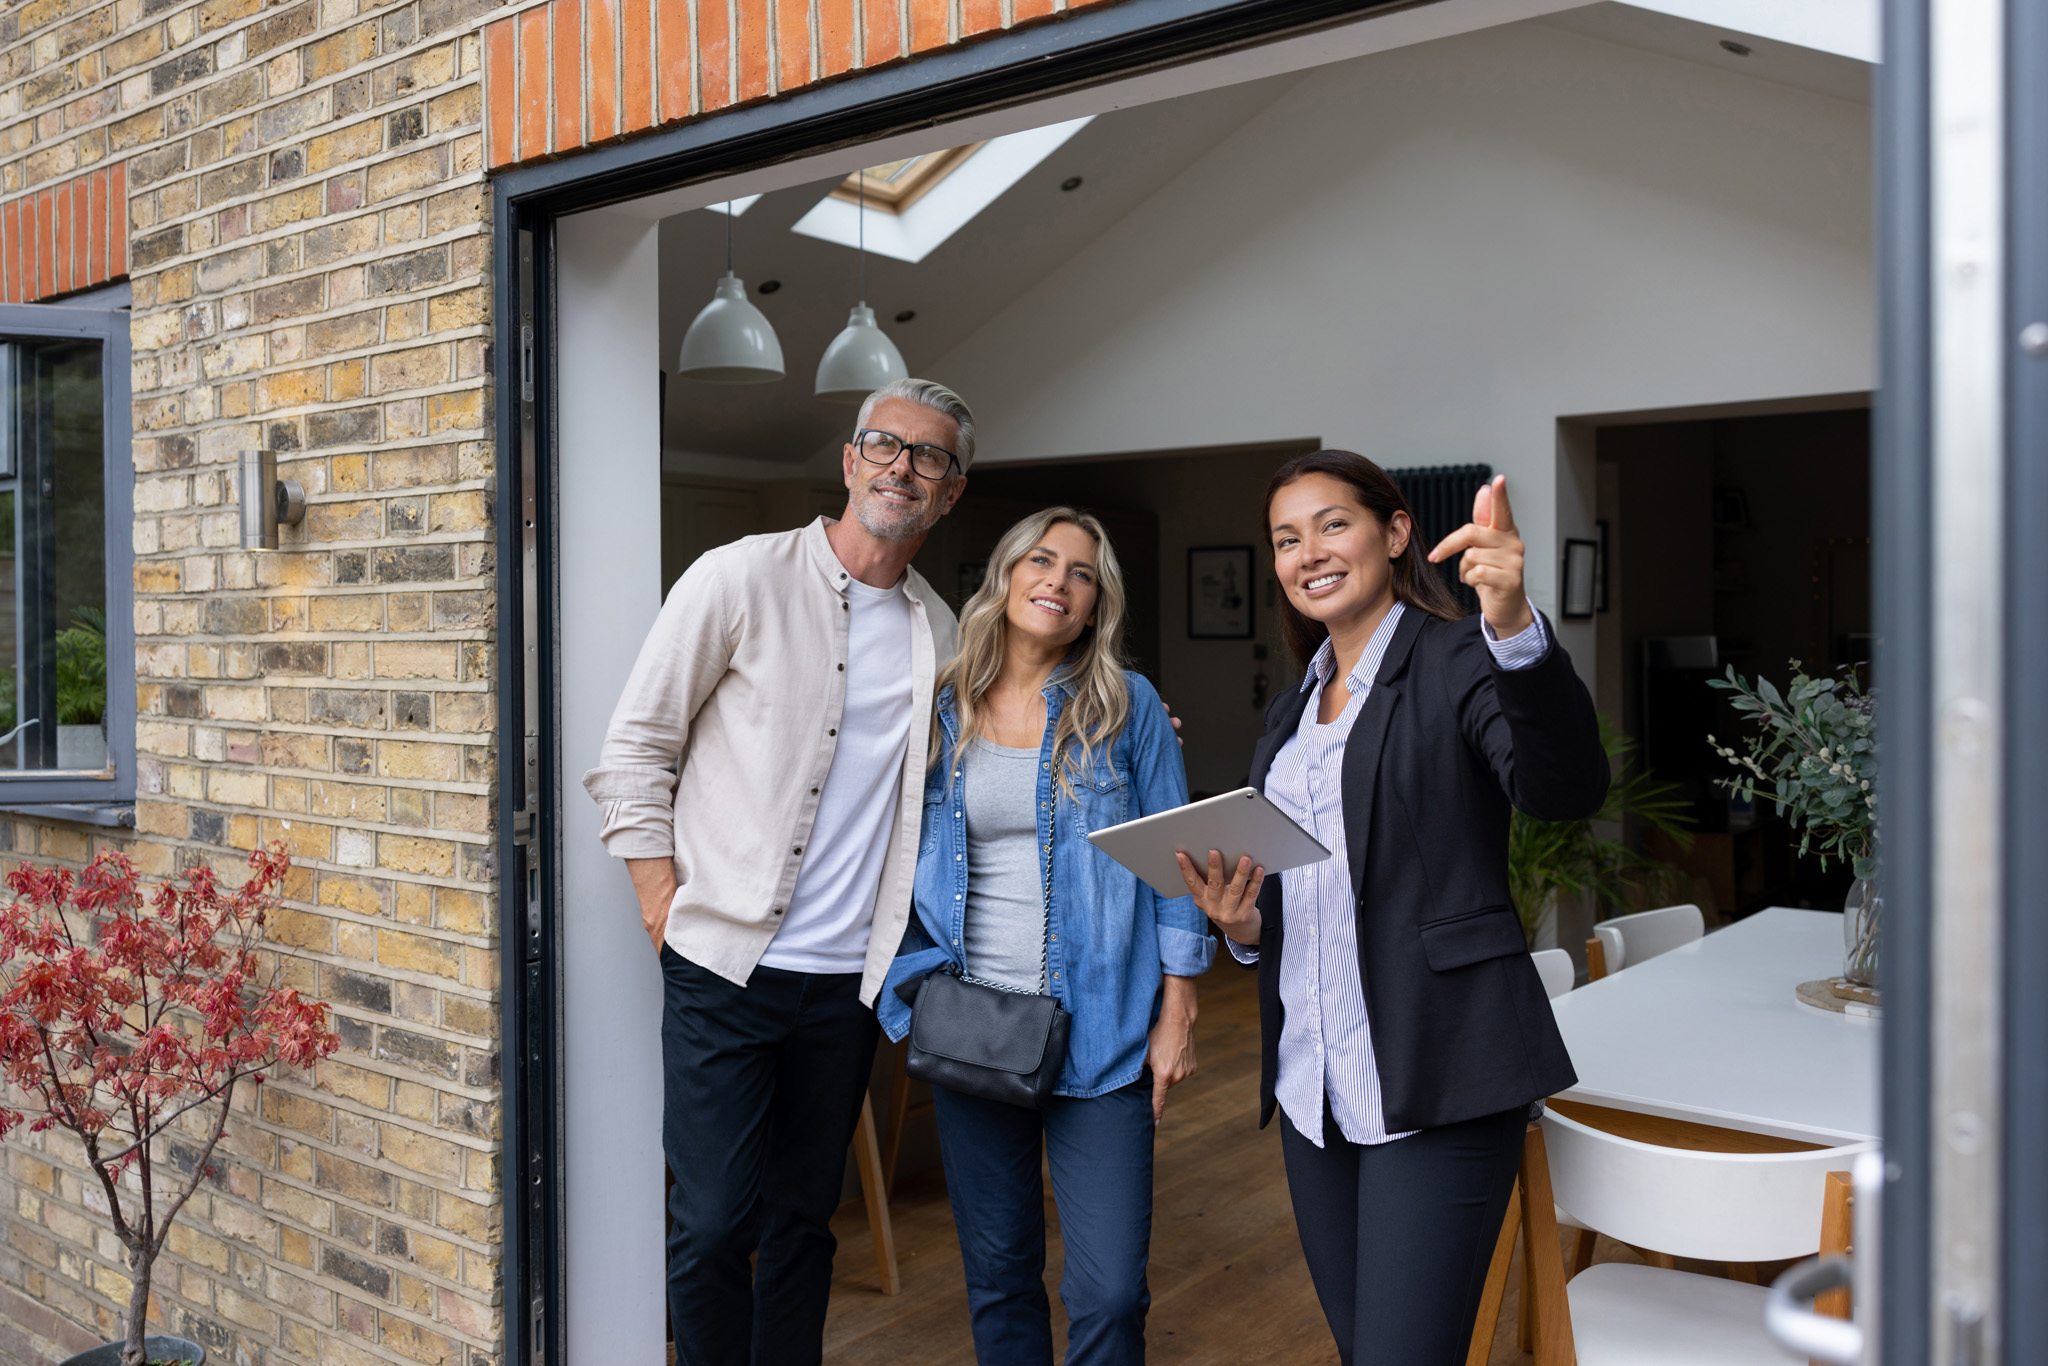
(1235, 824)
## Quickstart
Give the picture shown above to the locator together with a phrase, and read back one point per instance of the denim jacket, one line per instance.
(1110, 938)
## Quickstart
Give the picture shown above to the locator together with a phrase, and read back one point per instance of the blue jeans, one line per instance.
(1100, 1152)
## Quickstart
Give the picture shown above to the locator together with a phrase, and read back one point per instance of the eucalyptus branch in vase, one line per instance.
(1813, 755)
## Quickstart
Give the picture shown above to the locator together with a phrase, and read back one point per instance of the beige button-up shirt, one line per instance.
(741, 683)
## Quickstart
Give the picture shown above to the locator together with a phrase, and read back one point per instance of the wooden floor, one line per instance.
(1223, 1236)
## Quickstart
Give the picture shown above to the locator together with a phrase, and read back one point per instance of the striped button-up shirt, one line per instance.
(1325, 1042)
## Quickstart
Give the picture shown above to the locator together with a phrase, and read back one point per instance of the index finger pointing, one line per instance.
(1503, 514)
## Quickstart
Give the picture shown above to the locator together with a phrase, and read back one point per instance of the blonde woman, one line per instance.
(1043, 736)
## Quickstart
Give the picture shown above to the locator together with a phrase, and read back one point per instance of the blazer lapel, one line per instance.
(1368, 738)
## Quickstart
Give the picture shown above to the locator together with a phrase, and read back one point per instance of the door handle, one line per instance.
(1792, 1323)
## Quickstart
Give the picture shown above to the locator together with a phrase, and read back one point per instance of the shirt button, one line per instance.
(814, 792)
(842, 668)
(1055, 975)
(799, 849)
(833, 731)
(776, 911)
(956, 897)
(1055, 936)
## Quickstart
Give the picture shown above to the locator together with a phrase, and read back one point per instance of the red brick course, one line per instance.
(570, 74)
(65, 237)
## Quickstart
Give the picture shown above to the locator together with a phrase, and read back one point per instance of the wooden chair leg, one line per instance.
(1541, 1254)
(899, 1106)
(1488, 1322)
(868, 1159)
(1837, 1216)
(1596, 959)
(1745, 1272)
(1664, 1260)
(1582, 1250)
(1525, 1313)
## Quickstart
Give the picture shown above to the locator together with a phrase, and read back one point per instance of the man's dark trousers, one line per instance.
(763, 1086)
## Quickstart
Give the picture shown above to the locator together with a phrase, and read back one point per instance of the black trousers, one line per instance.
(763, 1085)
(1398, 1235)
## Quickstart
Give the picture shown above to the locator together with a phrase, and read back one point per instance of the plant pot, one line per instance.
(154, 1348)
(82, 747)
(1862, 932)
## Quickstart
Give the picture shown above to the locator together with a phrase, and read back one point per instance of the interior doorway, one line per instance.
(1743, 543)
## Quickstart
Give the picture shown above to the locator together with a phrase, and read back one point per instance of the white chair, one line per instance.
(1720, 1207)
(1628, 940)
(1555, 967)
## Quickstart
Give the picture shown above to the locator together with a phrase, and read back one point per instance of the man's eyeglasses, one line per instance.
(884, 448)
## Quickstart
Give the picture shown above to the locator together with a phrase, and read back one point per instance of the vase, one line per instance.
(1862, 932)
(155, 1347)
(82, 747)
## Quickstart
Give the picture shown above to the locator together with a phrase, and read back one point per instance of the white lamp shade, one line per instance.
(730, 342)
(860, 360)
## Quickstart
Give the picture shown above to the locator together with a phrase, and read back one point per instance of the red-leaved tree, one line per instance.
(123, 1012)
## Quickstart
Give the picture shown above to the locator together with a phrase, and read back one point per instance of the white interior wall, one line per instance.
(1431, 255)
(610, 524)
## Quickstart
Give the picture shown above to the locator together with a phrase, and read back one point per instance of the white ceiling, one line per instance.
(1807, 68)
(1123, 157)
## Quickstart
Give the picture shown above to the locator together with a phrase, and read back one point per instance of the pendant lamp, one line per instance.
(730, 342)
(861, 359)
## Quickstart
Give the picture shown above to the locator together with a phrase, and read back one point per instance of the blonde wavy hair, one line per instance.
(1095, 665)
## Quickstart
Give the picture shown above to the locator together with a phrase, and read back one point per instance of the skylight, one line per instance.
(934, 196)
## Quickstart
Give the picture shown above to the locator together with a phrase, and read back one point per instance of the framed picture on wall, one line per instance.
(1601, 561)
(1581, 578)
(1220, 592)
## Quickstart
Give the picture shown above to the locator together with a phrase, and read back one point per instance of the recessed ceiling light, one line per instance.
(768, 286)
(1739, 49)
(1072, 182)
(906, 315)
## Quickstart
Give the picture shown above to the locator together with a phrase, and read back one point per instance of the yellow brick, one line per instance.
(462, 912)
(291, 388)
(351, 474)
(413, 1100)
(356, 612)
(299, 930)
(410, 854)
(351, 801)
(414, 1151)
(301, 838)
(413, 904)
(356, 941)
(351, 894)
(297, 1112)
(232, 787)
(465, 511)
(346, 379)
(415, 659)
(418, 759)
(353, 1083)
(455, 412)
(462, 308)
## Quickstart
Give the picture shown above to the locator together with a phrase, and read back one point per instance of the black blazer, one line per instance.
(1443, 745)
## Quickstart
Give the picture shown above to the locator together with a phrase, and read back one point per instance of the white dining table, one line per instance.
(1713, 1034)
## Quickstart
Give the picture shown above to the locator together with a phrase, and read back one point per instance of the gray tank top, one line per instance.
(1005, 931)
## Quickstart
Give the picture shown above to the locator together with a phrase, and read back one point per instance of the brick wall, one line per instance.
(299, 191)
(306, 236)
(569, 74)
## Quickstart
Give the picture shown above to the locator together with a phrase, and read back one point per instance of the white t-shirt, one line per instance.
(832, 908)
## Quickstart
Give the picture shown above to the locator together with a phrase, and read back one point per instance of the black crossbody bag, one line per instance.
(985, 1040)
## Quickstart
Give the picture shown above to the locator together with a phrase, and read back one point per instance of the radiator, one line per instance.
(1441, 498)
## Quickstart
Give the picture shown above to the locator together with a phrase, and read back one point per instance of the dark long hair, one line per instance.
(1415, 580)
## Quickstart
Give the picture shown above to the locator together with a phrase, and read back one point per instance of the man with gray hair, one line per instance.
(761, 778)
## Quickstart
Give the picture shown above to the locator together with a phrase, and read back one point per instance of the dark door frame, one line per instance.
(1087, 48)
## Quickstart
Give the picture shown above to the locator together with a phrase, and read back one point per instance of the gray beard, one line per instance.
(875, 518)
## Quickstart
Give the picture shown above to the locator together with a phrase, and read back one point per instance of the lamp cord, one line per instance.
(728, 237)
(862, 235)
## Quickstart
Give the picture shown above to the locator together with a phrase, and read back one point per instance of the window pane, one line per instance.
(58, 562)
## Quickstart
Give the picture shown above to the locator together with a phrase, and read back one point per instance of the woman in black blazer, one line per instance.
(1406, 1034)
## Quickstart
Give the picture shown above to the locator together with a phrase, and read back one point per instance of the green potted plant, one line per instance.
(1546, 858)
(82, 691)
(1814, 755)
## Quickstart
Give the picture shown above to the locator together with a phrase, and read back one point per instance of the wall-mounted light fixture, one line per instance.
(267, 501)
